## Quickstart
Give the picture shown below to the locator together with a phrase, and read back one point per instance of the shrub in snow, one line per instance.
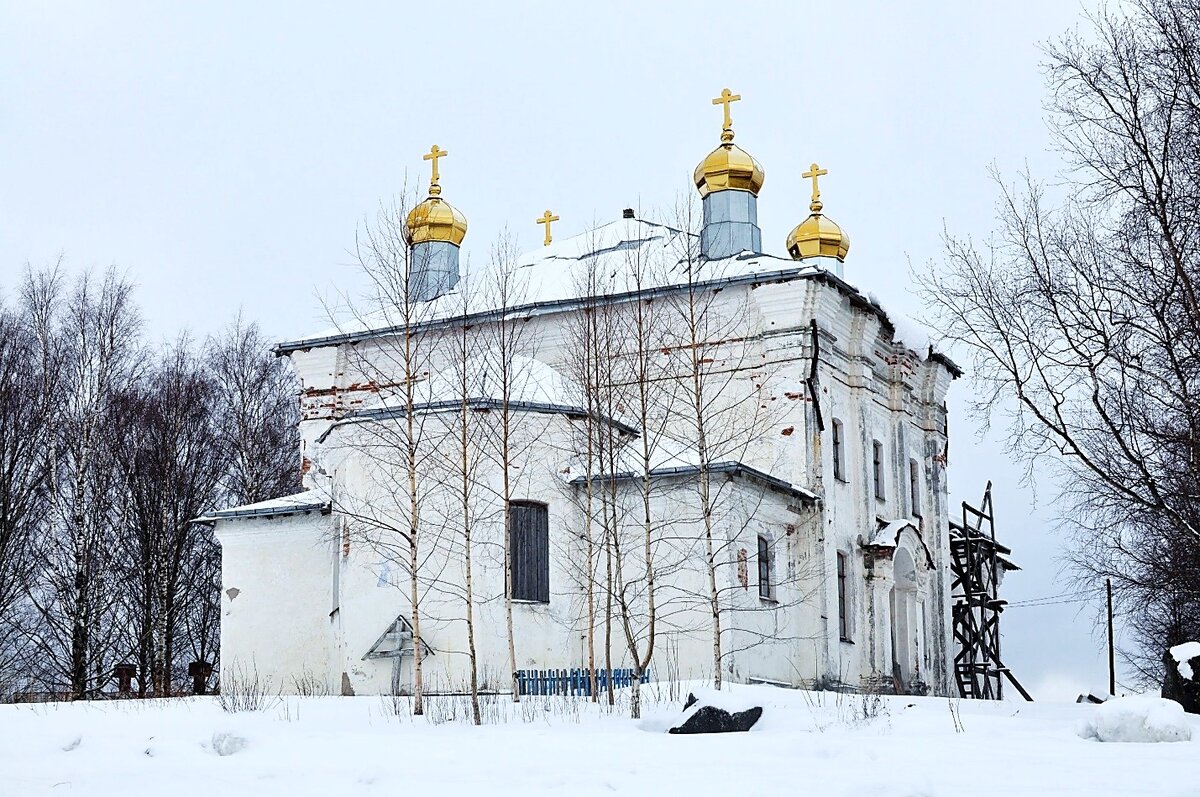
(243, 690)
(227, 743)
(1181, 681)
(1138, 718)
(702, 717)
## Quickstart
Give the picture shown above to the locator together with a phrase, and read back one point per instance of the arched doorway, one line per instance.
(906, 618)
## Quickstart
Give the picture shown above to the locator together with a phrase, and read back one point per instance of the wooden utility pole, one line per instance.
(1112, 668)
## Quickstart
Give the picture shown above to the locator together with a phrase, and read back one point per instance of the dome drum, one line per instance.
(434, 270)
(730, 224)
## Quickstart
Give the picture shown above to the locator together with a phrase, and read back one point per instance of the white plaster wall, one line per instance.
(276, 583)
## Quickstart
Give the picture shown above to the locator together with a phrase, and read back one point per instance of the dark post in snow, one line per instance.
(199, 672)
(124, 674)
(1112, 669)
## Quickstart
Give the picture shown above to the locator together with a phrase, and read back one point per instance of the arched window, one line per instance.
(529, 554)
(908, 631)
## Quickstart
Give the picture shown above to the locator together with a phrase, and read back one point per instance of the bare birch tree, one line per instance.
(647, 397)
(722, 414)
(25, 440)
(504, 340)
(97, 325)
(1082, 314)
(463, 362)
(395, 439)
(256, 400)
(171, 462)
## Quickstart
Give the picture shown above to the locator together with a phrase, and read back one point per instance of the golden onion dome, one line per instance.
(729, 167)
(435, 219)
(818, 235)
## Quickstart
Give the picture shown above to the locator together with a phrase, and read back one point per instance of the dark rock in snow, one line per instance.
(710, 719)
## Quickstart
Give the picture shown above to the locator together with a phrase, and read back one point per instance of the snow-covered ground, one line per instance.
(805, 744)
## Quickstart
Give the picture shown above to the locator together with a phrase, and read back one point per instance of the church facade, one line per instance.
(774, 506)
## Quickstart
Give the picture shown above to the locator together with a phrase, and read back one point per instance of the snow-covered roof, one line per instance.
(730, 467)
(888, 534)
(307, 501)
(533, 386)
(551, 279)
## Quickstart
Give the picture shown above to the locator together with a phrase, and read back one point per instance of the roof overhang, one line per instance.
(301, 503)
(731, 468)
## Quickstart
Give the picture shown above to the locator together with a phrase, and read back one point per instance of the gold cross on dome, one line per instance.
(725, 99)
(433, 155)
(546, 219)
(814, 173)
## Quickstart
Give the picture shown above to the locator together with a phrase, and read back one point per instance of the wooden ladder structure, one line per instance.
(976, 564)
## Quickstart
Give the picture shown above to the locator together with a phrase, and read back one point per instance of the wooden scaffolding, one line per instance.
(977, 563)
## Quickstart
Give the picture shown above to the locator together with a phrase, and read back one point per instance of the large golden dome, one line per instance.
(818, 235)
(435, 219)
(729, 167)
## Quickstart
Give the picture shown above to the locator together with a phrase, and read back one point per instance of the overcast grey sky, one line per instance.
(224, 153)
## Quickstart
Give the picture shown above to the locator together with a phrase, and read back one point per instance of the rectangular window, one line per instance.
(914, 487)
(764, 568)
(843, 607)
(877, 448)
(529, 538)
(839, 465)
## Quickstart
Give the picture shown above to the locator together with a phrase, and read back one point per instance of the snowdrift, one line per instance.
(1138, 718)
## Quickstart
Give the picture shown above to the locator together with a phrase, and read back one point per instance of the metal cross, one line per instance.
(433, 155)
(814, 173)
(727, 97)
(546, 219)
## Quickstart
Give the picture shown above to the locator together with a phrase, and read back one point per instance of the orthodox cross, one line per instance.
(814, 173)
(433, 155)
(725, 99)
(546, 219)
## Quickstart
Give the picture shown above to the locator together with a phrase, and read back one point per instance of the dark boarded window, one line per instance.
(877, 448)
(764, 568)
(914, 487)
(843, 608)
(529, 527)
(839, 466)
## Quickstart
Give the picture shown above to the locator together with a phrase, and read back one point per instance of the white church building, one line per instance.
(556, 499)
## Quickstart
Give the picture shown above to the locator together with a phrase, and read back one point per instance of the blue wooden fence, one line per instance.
(575, 683)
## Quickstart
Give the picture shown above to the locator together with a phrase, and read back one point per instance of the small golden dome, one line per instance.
(729, 167)
(817, 236)
(435, 219)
